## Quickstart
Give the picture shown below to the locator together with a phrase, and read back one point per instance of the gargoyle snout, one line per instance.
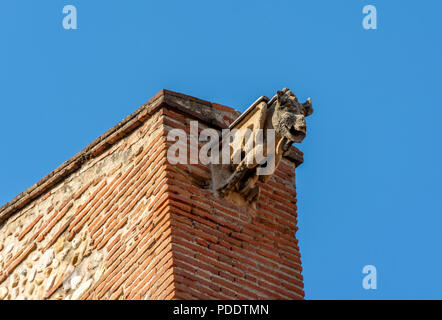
(298, 129)
(300, 124)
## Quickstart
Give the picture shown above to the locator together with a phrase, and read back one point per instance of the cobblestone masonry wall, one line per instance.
(128, 225)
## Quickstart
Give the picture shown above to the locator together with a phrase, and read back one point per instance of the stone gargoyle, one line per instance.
(285, 116)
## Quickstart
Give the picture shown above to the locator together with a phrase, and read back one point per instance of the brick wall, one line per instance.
(226, 251)
(117, 221)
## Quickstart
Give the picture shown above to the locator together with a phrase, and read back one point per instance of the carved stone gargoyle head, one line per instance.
(285, 116)
(288, 118)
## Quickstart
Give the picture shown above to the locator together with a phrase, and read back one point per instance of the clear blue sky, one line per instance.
(370, 187)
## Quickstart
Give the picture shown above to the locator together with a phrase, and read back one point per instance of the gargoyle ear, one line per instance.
(308, 107)
(281, 96)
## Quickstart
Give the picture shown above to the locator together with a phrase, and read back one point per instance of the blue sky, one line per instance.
(370, 187)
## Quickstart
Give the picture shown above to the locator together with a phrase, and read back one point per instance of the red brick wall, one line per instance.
(139, 262)
(225, 251)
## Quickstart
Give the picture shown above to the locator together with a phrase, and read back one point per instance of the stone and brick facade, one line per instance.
(118, 221)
